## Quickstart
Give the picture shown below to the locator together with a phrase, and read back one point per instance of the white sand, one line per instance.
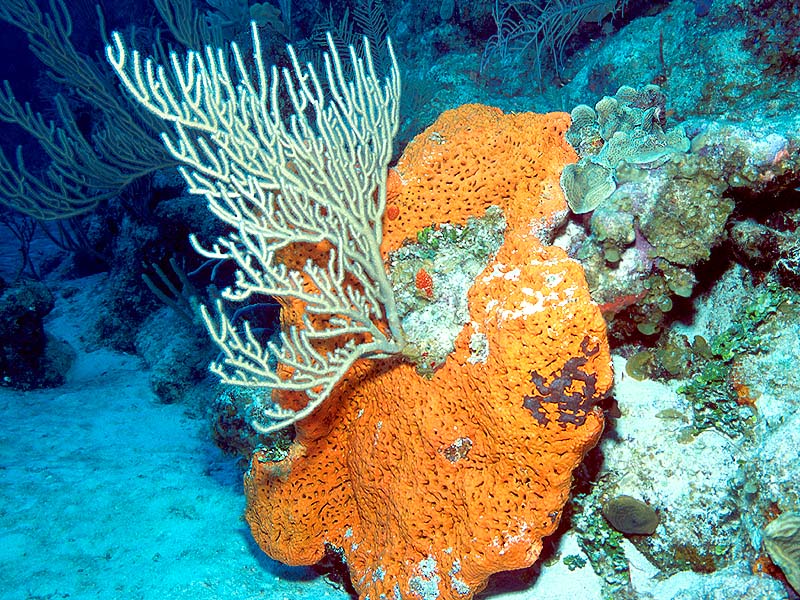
(104, 493)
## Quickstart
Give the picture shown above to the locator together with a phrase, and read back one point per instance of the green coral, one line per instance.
(574, 561)
(587, 184)
(714, 401)
(745, 335)
(601, 543)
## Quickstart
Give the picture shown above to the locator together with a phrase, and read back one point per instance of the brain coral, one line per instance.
(427, 486)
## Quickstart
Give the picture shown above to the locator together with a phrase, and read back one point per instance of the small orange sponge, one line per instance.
(428, 486)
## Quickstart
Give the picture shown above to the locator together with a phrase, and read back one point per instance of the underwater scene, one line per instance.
(389, 300)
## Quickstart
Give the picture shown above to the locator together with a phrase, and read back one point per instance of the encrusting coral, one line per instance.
(427, 486)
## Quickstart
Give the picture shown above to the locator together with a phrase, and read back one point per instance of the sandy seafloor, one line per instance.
(105, 493)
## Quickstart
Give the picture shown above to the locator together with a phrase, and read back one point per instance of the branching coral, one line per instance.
(540, 29)
(304, 198)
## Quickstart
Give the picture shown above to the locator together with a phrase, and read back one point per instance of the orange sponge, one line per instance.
(473, 157)
(429, 486)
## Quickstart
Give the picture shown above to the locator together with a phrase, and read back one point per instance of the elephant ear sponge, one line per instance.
(427, 486)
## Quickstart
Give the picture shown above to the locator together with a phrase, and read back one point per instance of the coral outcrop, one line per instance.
(627, 127)
(661, 198)
(428, 485)
(29, 357)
